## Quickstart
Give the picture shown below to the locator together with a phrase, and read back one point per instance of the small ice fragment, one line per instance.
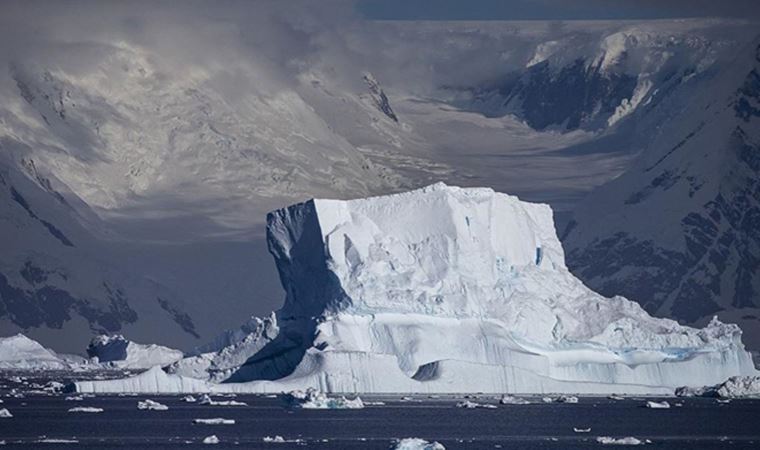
(582, 430)
(275, 440)
(630, 440)
(417, 444)
(510, 400)
(215, 421)
(206, 400)
(5, 414)
(189, 399)
(211, 439)
(472, 405)
(57, 441)
(151, 405)
(314, 399)
(86, 409)
(74, 398)
(616, 397)
(658, 405)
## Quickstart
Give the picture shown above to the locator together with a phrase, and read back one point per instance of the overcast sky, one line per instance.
(554, 9)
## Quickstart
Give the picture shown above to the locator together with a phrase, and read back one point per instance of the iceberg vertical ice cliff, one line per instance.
(447, 289)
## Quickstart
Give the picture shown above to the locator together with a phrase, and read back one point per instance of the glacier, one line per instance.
(443, 290)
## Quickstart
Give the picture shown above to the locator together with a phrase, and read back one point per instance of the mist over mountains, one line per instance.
(139, 154)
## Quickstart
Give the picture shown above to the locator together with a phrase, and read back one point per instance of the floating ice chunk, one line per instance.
(658, 405)
(57, 441)
(206, 400)
(630, 440)
(616, 397)
(189, 399)
(4, 413)
(74, 398)
(211, 439)
(472, 405)
(151, 405)
(86, 409)
(314, 399)
(215, 421)
(734, 387)
(561, 399)
(511, 400)
(417, 444)
(274, 440)
(582, 430)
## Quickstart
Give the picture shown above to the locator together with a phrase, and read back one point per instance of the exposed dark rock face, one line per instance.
(703, 193)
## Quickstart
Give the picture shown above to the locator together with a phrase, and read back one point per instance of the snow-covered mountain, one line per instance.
(416, 292)
(680, 229)
(142, 174)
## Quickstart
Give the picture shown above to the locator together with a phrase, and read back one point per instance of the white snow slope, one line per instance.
(134, 177)
(446, 289)
(18, 352)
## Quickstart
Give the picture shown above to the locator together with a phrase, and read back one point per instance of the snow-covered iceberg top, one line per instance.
(464, 253)
(443, 289)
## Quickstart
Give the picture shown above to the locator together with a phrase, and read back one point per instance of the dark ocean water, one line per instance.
(697, 424)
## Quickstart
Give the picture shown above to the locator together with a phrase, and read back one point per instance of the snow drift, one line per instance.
(446, 289)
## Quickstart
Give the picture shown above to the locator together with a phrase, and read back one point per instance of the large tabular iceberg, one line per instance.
(445, 289)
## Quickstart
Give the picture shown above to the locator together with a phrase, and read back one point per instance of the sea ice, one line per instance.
(206, 400)
(511, 400)
(151, 405)
(417, 444)
(658, 405)
(211, 439)
(472, 405)
(86, 409)
(215, 421)
(314, 399)
(630, 440)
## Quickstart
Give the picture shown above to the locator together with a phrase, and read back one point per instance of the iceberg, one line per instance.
(117, 351)
(443, 290)
(21, 353)
(734, 387)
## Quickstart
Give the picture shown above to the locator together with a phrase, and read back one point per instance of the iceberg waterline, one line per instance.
(443, 289)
